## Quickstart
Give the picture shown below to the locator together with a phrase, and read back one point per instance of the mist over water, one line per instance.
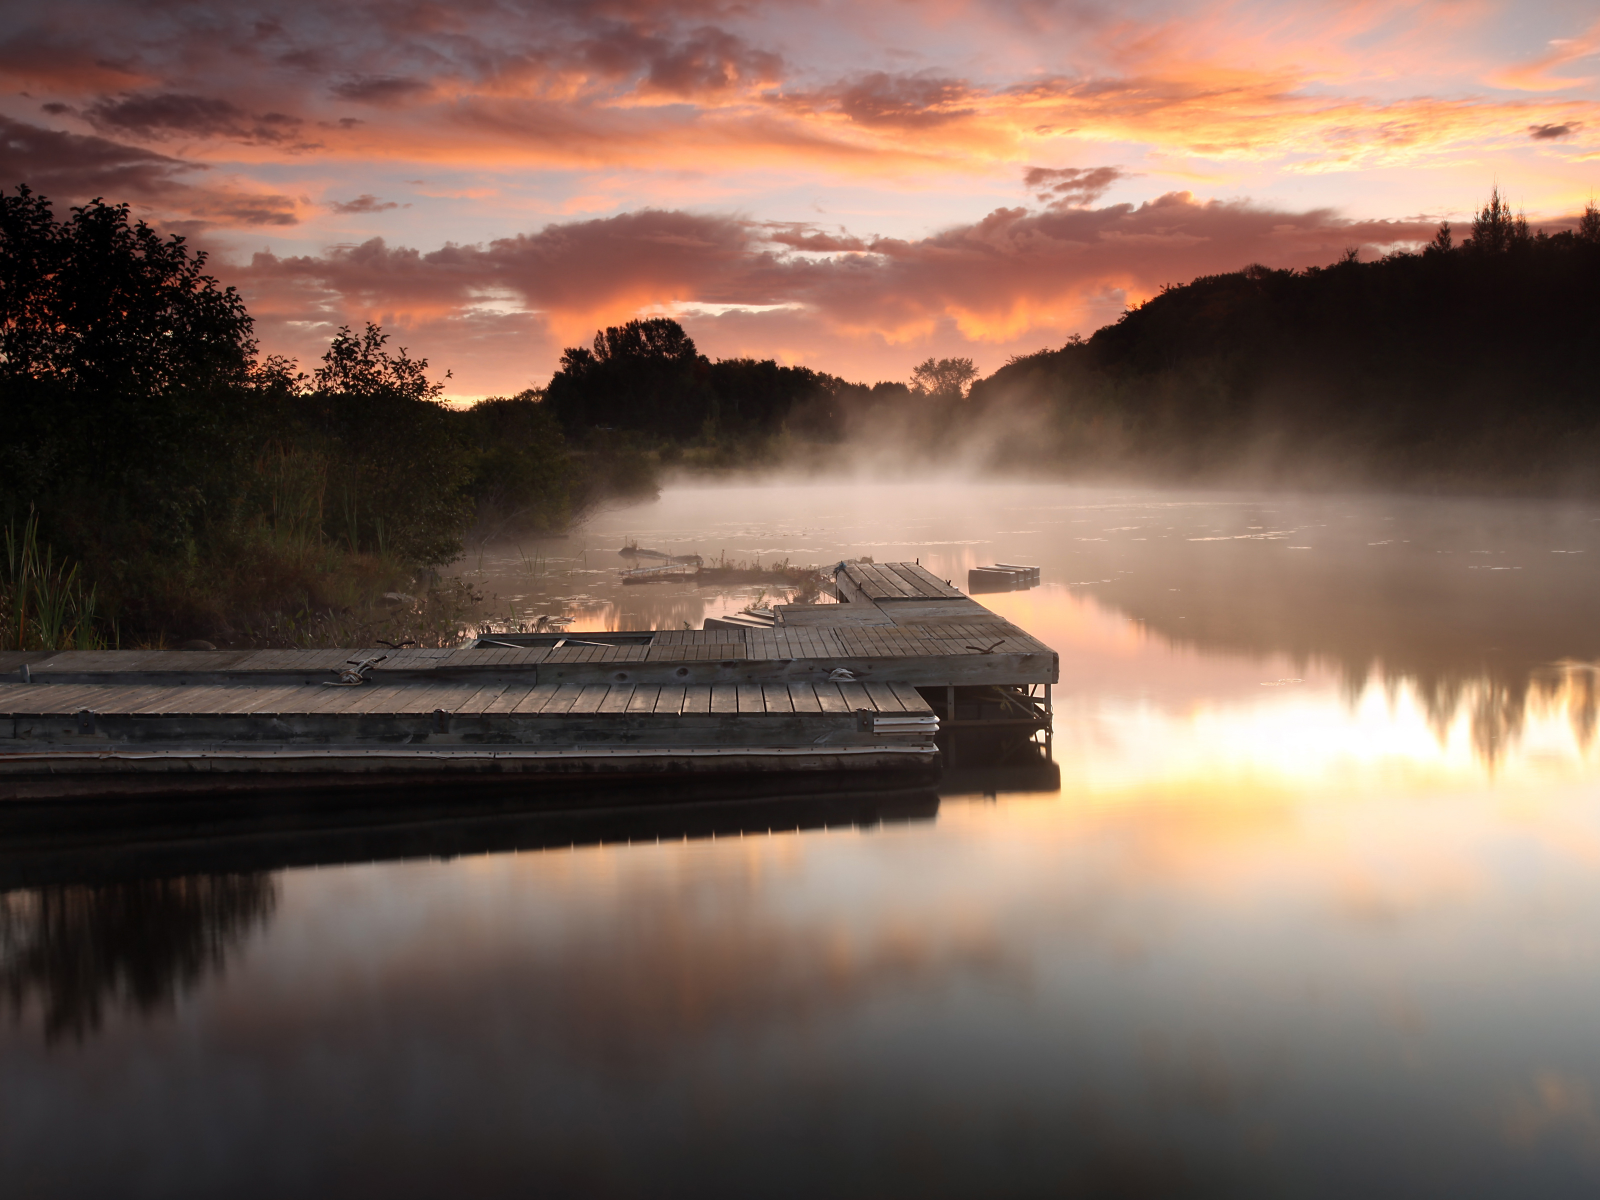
(1313, 911)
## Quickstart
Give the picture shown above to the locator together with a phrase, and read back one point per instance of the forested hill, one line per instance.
(1463, 365)
(1471, 366)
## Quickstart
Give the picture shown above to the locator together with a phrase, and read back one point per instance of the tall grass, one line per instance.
(44, 603)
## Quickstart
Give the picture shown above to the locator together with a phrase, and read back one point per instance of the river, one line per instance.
(1314, 911)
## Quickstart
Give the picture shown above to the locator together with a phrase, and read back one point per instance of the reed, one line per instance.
(44, 603)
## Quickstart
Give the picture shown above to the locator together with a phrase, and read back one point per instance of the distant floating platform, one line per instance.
(1002, 577)
(855, 689)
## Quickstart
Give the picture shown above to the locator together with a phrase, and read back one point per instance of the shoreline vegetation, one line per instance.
(161, 482)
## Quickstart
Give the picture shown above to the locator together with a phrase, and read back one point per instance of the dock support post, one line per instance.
(950, 719)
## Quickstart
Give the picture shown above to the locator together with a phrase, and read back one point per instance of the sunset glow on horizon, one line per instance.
(852, 187)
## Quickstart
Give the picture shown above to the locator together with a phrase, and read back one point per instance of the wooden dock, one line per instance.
(856, 689)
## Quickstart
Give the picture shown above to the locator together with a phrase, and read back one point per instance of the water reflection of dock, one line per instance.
(856, 689)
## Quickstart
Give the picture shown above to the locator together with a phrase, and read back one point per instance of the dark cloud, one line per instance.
(905, 101)
(583, 265)
(800, 236)
(165, 114)
(65, 58)
(364, 203)
(1540, 133)
(1075, 186)
(75, 167)
(710, 60)
(381, 89)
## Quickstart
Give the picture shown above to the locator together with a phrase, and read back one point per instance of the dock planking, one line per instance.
(805, 693)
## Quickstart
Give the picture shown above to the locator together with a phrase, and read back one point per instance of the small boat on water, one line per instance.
(666, 573)
(1002, 577)
(693, 560)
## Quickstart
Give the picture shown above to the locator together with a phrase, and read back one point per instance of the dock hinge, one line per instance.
(868, 721)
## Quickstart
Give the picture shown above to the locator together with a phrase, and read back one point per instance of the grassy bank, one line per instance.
(200, 491)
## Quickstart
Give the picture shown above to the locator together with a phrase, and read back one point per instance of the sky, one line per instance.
(851, 185)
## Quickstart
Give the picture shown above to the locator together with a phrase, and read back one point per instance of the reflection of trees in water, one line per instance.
(1456, 602)
(77, 950)
(1497, 705)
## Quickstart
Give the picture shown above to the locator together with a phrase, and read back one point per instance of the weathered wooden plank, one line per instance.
(342, 700)
(566, 696)
(247, 696)
(831, 699)
(925, 581)
(775, 697)
(589, 699)
(750, 698)
(910, 699)
(697, 699)
(10, 660)
(423, 698)
(617, 698)
(803, 698)
(515, 695)
(59, 699)
(855, 696)
(883, 698)
(146, 698)
(670, 701)
(86, 662)
(450, 698)
(644, 698)
(35, 699)
(367, 698)
(900, 586)
(473, 704)
(724, 698)
(524, 700)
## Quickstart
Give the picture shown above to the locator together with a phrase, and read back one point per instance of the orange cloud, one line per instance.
(1012, 275)
(664, 85)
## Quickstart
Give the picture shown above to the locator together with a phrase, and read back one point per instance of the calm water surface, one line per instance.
(1314, 912)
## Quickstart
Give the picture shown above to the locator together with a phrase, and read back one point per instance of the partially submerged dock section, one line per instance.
(856, 689)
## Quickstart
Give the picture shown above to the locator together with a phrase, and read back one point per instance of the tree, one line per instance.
(946, 377)
(1495, 230)
(94, 302)
(360, 366)
(1442, 241)
(643, 377)
(522, 476)
(657, 338)
(1589, 224)
(122, 372)
(400, 473)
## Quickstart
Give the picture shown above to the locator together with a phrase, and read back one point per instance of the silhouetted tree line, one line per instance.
(187, 473)
(1465, 365)
(647, 378)
(645, 384)
(72, 953)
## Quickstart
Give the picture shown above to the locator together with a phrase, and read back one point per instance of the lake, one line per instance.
(1314, 911)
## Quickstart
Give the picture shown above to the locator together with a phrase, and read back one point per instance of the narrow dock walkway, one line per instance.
(842, 687)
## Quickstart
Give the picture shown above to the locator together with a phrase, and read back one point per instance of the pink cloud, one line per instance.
(1014, 277)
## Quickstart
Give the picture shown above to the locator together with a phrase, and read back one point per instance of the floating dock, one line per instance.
(856, 689)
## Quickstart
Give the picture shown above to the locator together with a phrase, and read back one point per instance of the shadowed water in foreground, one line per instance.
(1313, 910)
